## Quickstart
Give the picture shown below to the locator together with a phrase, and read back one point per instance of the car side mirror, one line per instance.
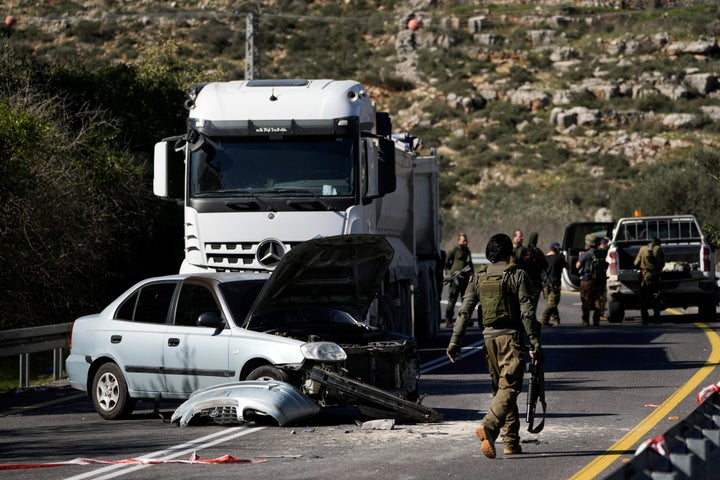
(210, 320)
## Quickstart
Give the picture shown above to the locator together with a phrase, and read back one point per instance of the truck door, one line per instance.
(195, 356)
(573, 244)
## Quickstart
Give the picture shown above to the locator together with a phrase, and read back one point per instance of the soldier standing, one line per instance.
(591, 283)
(651, 261)
(531, 259)
(552, 281)
(459, 263)
(505, 294)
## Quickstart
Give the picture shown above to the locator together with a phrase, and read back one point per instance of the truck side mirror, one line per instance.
(387, 181)
(160, 170)
(380, 169)
(168, 170)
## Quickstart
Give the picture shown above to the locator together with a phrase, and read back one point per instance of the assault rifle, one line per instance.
(454, 278)
(536, 391)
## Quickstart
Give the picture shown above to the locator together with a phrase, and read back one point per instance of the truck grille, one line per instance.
(232, 257)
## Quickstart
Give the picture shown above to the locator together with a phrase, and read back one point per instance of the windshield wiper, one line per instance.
(316, 203)
(246, 204)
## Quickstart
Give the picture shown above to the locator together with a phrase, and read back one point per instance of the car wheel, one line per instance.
(110, 394)
(616, 312)
(268, 373)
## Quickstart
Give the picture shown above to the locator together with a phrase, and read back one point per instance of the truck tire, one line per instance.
(706, 309)
(387, 313)
(616, 312)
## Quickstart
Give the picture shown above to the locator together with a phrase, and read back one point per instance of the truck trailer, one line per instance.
(268, 164)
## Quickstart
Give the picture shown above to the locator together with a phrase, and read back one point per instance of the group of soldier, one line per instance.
(507, 292)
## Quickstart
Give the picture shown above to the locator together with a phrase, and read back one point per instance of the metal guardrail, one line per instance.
(689, 450)
(24, 341)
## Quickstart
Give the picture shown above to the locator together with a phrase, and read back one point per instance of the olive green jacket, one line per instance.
(521, 292)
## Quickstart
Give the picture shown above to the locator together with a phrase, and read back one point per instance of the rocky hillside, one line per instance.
(544, 112)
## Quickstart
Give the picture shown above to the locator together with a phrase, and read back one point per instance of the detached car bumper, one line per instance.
(240, 402)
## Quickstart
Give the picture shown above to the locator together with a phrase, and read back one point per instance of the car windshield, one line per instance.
(317, 165)
(302, 317)
(239, 296)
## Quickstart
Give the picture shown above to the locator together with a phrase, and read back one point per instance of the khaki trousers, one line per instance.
(505, 359)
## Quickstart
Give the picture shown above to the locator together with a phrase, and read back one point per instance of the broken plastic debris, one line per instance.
(382, 424)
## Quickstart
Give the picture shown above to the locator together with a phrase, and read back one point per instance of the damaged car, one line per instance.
(167, 337)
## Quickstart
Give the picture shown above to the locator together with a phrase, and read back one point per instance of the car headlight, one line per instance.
(323, 351)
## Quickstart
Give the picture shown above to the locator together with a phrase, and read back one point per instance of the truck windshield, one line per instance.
(320, 165)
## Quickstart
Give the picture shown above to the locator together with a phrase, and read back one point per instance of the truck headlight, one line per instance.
(323, 351)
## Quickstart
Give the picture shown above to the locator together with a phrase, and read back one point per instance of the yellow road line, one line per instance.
(25, 408)
(594, 468)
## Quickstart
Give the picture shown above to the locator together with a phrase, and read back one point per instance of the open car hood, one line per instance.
(342, 271)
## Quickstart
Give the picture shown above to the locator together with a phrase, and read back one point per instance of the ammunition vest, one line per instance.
(498, 309)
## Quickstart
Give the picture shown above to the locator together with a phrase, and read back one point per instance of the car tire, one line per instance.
(268, 373)
(616, 312)
(110, 393)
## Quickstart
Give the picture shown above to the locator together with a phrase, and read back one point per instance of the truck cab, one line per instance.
(269, 164)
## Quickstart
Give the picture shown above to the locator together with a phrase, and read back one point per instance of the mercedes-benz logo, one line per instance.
(269, 253)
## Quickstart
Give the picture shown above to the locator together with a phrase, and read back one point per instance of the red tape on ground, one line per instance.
(194, 459)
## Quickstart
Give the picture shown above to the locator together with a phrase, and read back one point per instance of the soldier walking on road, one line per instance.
(551, 285)
(651, 261)
(505, 294)
(459, 262)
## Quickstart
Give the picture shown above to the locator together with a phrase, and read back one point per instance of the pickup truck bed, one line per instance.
(688, 278)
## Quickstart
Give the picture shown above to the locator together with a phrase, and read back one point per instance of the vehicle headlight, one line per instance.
(323, 351)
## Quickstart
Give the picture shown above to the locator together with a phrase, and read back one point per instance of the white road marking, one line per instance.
(169, 453)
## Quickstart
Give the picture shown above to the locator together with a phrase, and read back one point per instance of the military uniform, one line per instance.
(532, 260)
(651, 261)
(458, 258)
(505, 323)
(591, 291)
(552, 287)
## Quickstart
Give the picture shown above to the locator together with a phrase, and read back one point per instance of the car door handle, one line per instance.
(173, 342)
(115, 338)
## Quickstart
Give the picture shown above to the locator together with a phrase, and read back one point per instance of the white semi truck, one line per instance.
(269, 164)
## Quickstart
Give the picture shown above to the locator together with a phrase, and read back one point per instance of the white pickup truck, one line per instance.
(688, 278)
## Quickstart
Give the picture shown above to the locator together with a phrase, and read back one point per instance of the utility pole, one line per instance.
(252, 52)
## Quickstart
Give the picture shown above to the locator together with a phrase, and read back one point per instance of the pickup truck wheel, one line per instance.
(268, 373)
(616, 312)
(706, 309)
(110, 393)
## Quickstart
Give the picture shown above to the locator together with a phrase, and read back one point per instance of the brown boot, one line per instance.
(512, 450)
(487, 446)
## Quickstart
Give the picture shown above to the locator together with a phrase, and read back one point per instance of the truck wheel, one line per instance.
(268, 373)
(110, 393)
(706, 309)
(387, 312)
(616, 312)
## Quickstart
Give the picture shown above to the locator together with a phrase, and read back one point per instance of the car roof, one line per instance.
(218, 277)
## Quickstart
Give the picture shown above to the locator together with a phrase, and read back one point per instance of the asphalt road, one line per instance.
(608, 388)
